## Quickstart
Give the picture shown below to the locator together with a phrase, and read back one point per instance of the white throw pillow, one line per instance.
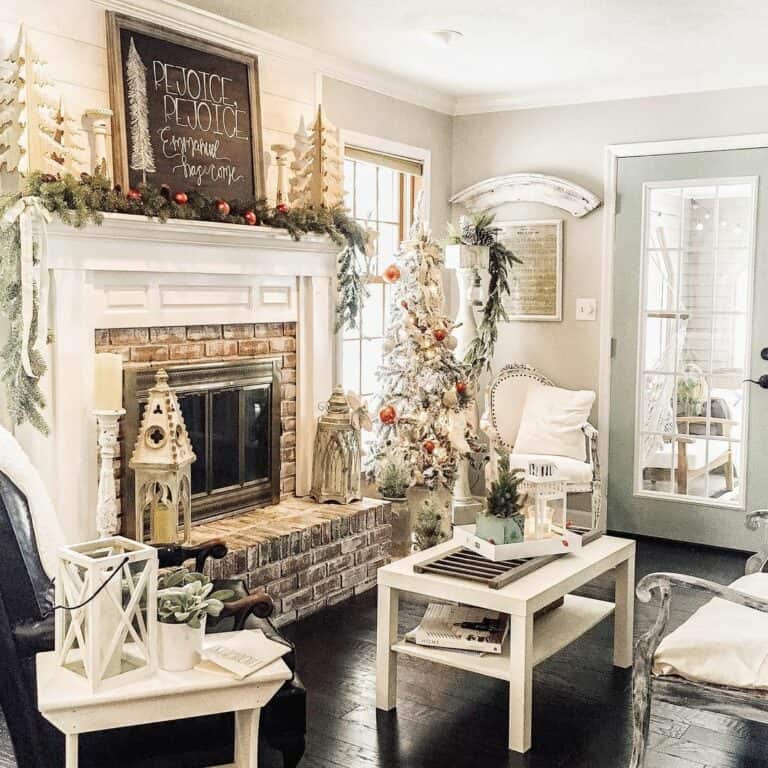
(552, 421)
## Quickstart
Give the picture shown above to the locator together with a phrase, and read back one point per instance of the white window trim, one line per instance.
(385, 146)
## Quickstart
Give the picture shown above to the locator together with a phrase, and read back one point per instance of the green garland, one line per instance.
(78, 201)
(479, 230)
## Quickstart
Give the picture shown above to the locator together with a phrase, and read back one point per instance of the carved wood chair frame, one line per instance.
(747, 704)
(499, 445)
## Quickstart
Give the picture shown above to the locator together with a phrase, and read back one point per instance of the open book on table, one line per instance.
(241, 654)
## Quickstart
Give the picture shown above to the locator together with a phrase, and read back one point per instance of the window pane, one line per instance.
(660, 336)
(388, 243)
(349, 185)
(663, 219)
(695, 343)
(225, 438)
(732, 282)
(735, 215)
(257, 421)
(373, 311)
(699, 226)
(371, 359)
(365, 191)
(658, 393)
(351, 365)
(389, 194)
(697, 281)
(193, 411)
(661, 280)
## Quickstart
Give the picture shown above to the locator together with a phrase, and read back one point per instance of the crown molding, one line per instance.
(196, 22)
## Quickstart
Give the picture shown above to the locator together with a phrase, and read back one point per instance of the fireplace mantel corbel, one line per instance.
(131, 271)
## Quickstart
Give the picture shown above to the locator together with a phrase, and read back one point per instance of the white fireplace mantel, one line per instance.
(131, 271)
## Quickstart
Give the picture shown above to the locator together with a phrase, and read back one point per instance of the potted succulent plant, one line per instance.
(503, 520)
(393, 477)
(185, 599)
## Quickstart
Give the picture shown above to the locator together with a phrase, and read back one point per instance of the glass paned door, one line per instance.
(686, 452)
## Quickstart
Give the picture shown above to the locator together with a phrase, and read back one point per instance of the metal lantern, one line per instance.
(547, 500)
(336, 465)
(106, 626)
(161, 461)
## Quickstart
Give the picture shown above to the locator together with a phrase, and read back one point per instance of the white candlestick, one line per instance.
(106, 507)
(108, 382)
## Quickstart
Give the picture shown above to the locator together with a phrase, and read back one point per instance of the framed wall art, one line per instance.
(536, 285)
(186, 112)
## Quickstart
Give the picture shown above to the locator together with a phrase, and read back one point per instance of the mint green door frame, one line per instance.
(730, 531)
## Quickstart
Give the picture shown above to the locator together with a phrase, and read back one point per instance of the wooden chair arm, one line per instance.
(259, 604)
(171, 555)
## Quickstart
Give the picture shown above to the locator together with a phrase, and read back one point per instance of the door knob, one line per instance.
(761, 382)
(764, 353)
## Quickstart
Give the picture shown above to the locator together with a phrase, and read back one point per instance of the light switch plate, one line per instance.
(586, 309)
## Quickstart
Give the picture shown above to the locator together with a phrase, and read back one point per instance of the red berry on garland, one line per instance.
(133, 194)
(428, 446)
(180, 198)
(387, 415)
(461, 387)
(440, 334)
(222, 206)
(404, 304)
(282, 207)
(47, 178)
(391, 274)
(250, 218)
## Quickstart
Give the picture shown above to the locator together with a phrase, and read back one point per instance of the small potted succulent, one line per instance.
(503, 520)
(185, 599)
(393, 477)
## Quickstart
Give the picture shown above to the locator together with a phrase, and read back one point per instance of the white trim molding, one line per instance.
(613, 153)
(528, 188)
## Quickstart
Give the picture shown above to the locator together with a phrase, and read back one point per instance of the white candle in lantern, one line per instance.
(108, 382)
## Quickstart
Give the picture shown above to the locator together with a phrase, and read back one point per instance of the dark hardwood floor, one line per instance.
(449, 719)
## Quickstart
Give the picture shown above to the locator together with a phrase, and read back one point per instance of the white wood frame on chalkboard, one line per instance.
(115, 23)
(558, 223)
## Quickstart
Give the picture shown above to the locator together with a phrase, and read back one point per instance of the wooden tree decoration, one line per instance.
(142, 156)
(319, 179)
(36, 132)
(299, 164)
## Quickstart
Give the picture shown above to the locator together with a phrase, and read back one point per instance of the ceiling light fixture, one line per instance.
(447, 36)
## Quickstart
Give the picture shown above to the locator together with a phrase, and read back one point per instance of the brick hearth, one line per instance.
(303, 554)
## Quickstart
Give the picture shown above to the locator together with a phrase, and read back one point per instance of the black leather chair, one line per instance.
(26, 628)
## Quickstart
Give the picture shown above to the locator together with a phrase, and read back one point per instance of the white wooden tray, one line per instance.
(555, 544)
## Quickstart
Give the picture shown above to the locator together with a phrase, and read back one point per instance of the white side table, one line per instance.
(65, 701)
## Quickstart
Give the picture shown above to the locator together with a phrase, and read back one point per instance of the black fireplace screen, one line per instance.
(232, 414)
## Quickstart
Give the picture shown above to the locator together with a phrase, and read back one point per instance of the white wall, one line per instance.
(569, 141)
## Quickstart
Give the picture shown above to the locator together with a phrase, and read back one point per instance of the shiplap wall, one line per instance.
(71, 36)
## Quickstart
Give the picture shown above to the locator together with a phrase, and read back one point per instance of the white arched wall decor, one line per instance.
(528, 188)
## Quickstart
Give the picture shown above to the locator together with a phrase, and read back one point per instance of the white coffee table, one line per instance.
(531, 641)
(65, 700)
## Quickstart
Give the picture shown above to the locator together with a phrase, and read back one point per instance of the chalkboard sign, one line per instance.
(186, 113)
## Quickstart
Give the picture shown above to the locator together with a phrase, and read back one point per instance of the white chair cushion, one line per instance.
(722, 643)
(552, 422)
(570, 470)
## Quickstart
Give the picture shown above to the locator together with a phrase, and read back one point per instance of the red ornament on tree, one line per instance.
(222, 206)
(180, 198)
(282, 207)
(404, 304)
(392, 273)
(250, 218)
(387, 415)
(428, 446)
(461, 387)
(133, 194)
(440, 334)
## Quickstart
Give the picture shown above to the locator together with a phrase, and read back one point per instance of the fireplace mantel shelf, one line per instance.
(130, 243)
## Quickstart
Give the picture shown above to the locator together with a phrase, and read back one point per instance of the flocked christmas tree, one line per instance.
(36, 132)
(422, 403)
(142, 156)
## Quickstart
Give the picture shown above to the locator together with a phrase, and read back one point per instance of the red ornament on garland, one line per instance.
(180, 198)
(222, 207)
(250, 218)
(440, 334)
(461, 387)
(133, 194)
(428, 446)
(404, 304)
(387, 415)
(282, 207)
(392, 273)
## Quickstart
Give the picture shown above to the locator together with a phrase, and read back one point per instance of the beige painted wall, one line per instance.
(569, 141)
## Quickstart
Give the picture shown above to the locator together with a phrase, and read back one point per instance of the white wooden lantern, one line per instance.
(547, 500)
(110, 638)
(161, 462)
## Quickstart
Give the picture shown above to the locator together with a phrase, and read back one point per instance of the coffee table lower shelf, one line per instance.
(551, 632)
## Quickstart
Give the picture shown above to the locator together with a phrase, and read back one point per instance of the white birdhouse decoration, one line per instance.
(106, 627)
(161, 461)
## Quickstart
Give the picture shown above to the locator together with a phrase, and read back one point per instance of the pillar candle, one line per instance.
(108, 382)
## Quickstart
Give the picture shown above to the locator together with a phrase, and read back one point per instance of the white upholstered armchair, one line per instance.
(506, 419)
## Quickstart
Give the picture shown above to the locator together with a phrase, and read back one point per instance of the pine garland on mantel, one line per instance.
(79, 201)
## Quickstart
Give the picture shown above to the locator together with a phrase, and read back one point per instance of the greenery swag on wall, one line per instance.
(79, 201)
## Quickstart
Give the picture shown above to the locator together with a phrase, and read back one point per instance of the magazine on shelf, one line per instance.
(461, 627)
(241, 654)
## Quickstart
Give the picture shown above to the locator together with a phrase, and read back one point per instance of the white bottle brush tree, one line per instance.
(142, 155)
(36, 131)
(422, 403)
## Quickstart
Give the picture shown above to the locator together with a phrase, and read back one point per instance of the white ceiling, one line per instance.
(520, 54)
